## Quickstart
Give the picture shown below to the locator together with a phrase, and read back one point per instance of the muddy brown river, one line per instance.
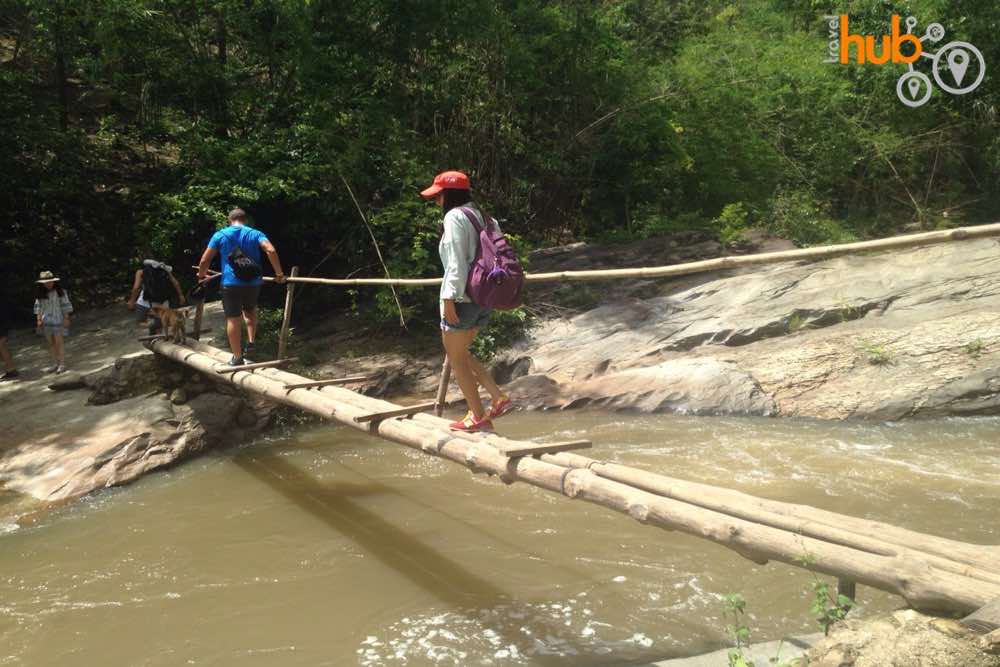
(325, 547)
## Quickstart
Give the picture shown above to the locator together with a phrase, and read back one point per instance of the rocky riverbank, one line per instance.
(891, 335)
(119, 413)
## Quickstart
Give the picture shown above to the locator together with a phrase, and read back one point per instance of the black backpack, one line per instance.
(156, 284)
(243, 266)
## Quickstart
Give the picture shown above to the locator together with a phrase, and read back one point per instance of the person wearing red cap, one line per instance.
(461, 319)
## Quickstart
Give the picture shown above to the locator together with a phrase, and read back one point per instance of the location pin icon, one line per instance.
(914, 86)
(958, 63)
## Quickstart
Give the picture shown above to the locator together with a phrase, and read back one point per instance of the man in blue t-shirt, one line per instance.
(239, 297)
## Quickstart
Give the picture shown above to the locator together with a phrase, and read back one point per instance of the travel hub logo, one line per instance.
(957, 67)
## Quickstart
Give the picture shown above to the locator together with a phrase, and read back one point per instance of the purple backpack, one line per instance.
(495, 277)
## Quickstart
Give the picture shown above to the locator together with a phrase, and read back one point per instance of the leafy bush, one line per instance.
(504, 329)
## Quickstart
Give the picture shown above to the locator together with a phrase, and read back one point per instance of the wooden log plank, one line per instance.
(160, 336)
(533, 448)
(328, 382)
(985, 619)
(982, 561)
(922, 584)
(407, 411)
(259, 364)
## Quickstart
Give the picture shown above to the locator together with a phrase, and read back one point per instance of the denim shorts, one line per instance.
(470, 316)
(55, 330)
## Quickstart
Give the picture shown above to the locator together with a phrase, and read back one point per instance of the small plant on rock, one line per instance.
(974, 348)
(876, 353)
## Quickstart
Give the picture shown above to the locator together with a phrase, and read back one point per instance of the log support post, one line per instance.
(847, 588)
(199, 311)
(286, 319)
(442, 387)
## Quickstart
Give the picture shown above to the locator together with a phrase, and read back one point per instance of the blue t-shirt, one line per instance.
(249, 240)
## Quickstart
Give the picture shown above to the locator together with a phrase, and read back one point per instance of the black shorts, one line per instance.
(239, 299)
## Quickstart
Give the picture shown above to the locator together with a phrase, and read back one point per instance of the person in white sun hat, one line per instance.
(52, 311)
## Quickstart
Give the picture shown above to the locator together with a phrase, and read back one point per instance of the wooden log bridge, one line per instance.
(931, 573)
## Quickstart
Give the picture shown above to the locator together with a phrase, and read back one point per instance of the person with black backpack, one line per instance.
(239, 248)
(154, 284)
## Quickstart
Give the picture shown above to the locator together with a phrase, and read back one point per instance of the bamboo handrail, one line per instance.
(730, 262)
(925, 581)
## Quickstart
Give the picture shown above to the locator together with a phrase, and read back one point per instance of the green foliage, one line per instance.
(827, 605)
(131, 127)
(504, 329)
(734, 611)
(269, 331)
(732, 222)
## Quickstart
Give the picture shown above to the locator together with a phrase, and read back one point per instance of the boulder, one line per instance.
(133, 375)
(903, 637)
(68, 381)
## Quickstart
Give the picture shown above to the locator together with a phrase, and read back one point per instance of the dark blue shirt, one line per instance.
(249, 240)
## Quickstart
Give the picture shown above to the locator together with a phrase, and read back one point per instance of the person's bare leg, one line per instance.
(8, 361)
(58, 349)
(484, 378)
(456, 345)
(251, 319)
(49, 340)
(233, 333)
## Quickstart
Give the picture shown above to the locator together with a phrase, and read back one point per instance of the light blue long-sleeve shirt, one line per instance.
(53, 309)
(457, 249)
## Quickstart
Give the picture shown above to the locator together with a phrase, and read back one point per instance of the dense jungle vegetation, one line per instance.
(131, 126)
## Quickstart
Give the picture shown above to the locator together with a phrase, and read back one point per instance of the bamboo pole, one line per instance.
(914, 577)
(286, 318)
(442, 391)
(731, 262)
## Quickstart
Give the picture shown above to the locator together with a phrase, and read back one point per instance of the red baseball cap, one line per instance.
(447, 180)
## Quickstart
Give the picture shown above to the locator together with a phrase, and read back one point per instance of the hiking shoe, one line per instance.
(500, 408)
(470, 423)
(10, 375)
(248, 349)
(51, 369)
(236, 361)
(61, 368)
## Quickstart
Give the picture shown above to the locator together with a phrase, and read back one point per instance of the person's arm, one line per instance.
(177, 288)
(456, 266)
(66, 307)
(272, 256)
(38, 314)
(136, 288)
(206, 259)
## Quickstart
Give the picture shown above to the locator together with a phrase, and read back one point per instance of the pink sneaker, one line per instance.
(470, 423)
(500, 408)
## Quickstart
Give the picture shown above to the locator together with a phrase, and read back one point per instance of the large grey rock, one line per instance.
(883, 335)
(68, 381)
(134, 375)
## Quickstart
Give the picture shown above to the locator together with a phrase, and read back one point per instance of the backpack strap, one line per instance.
(468, 212)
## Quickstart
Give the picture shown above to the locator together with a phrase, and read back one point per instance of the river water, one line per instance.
(326, 547)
